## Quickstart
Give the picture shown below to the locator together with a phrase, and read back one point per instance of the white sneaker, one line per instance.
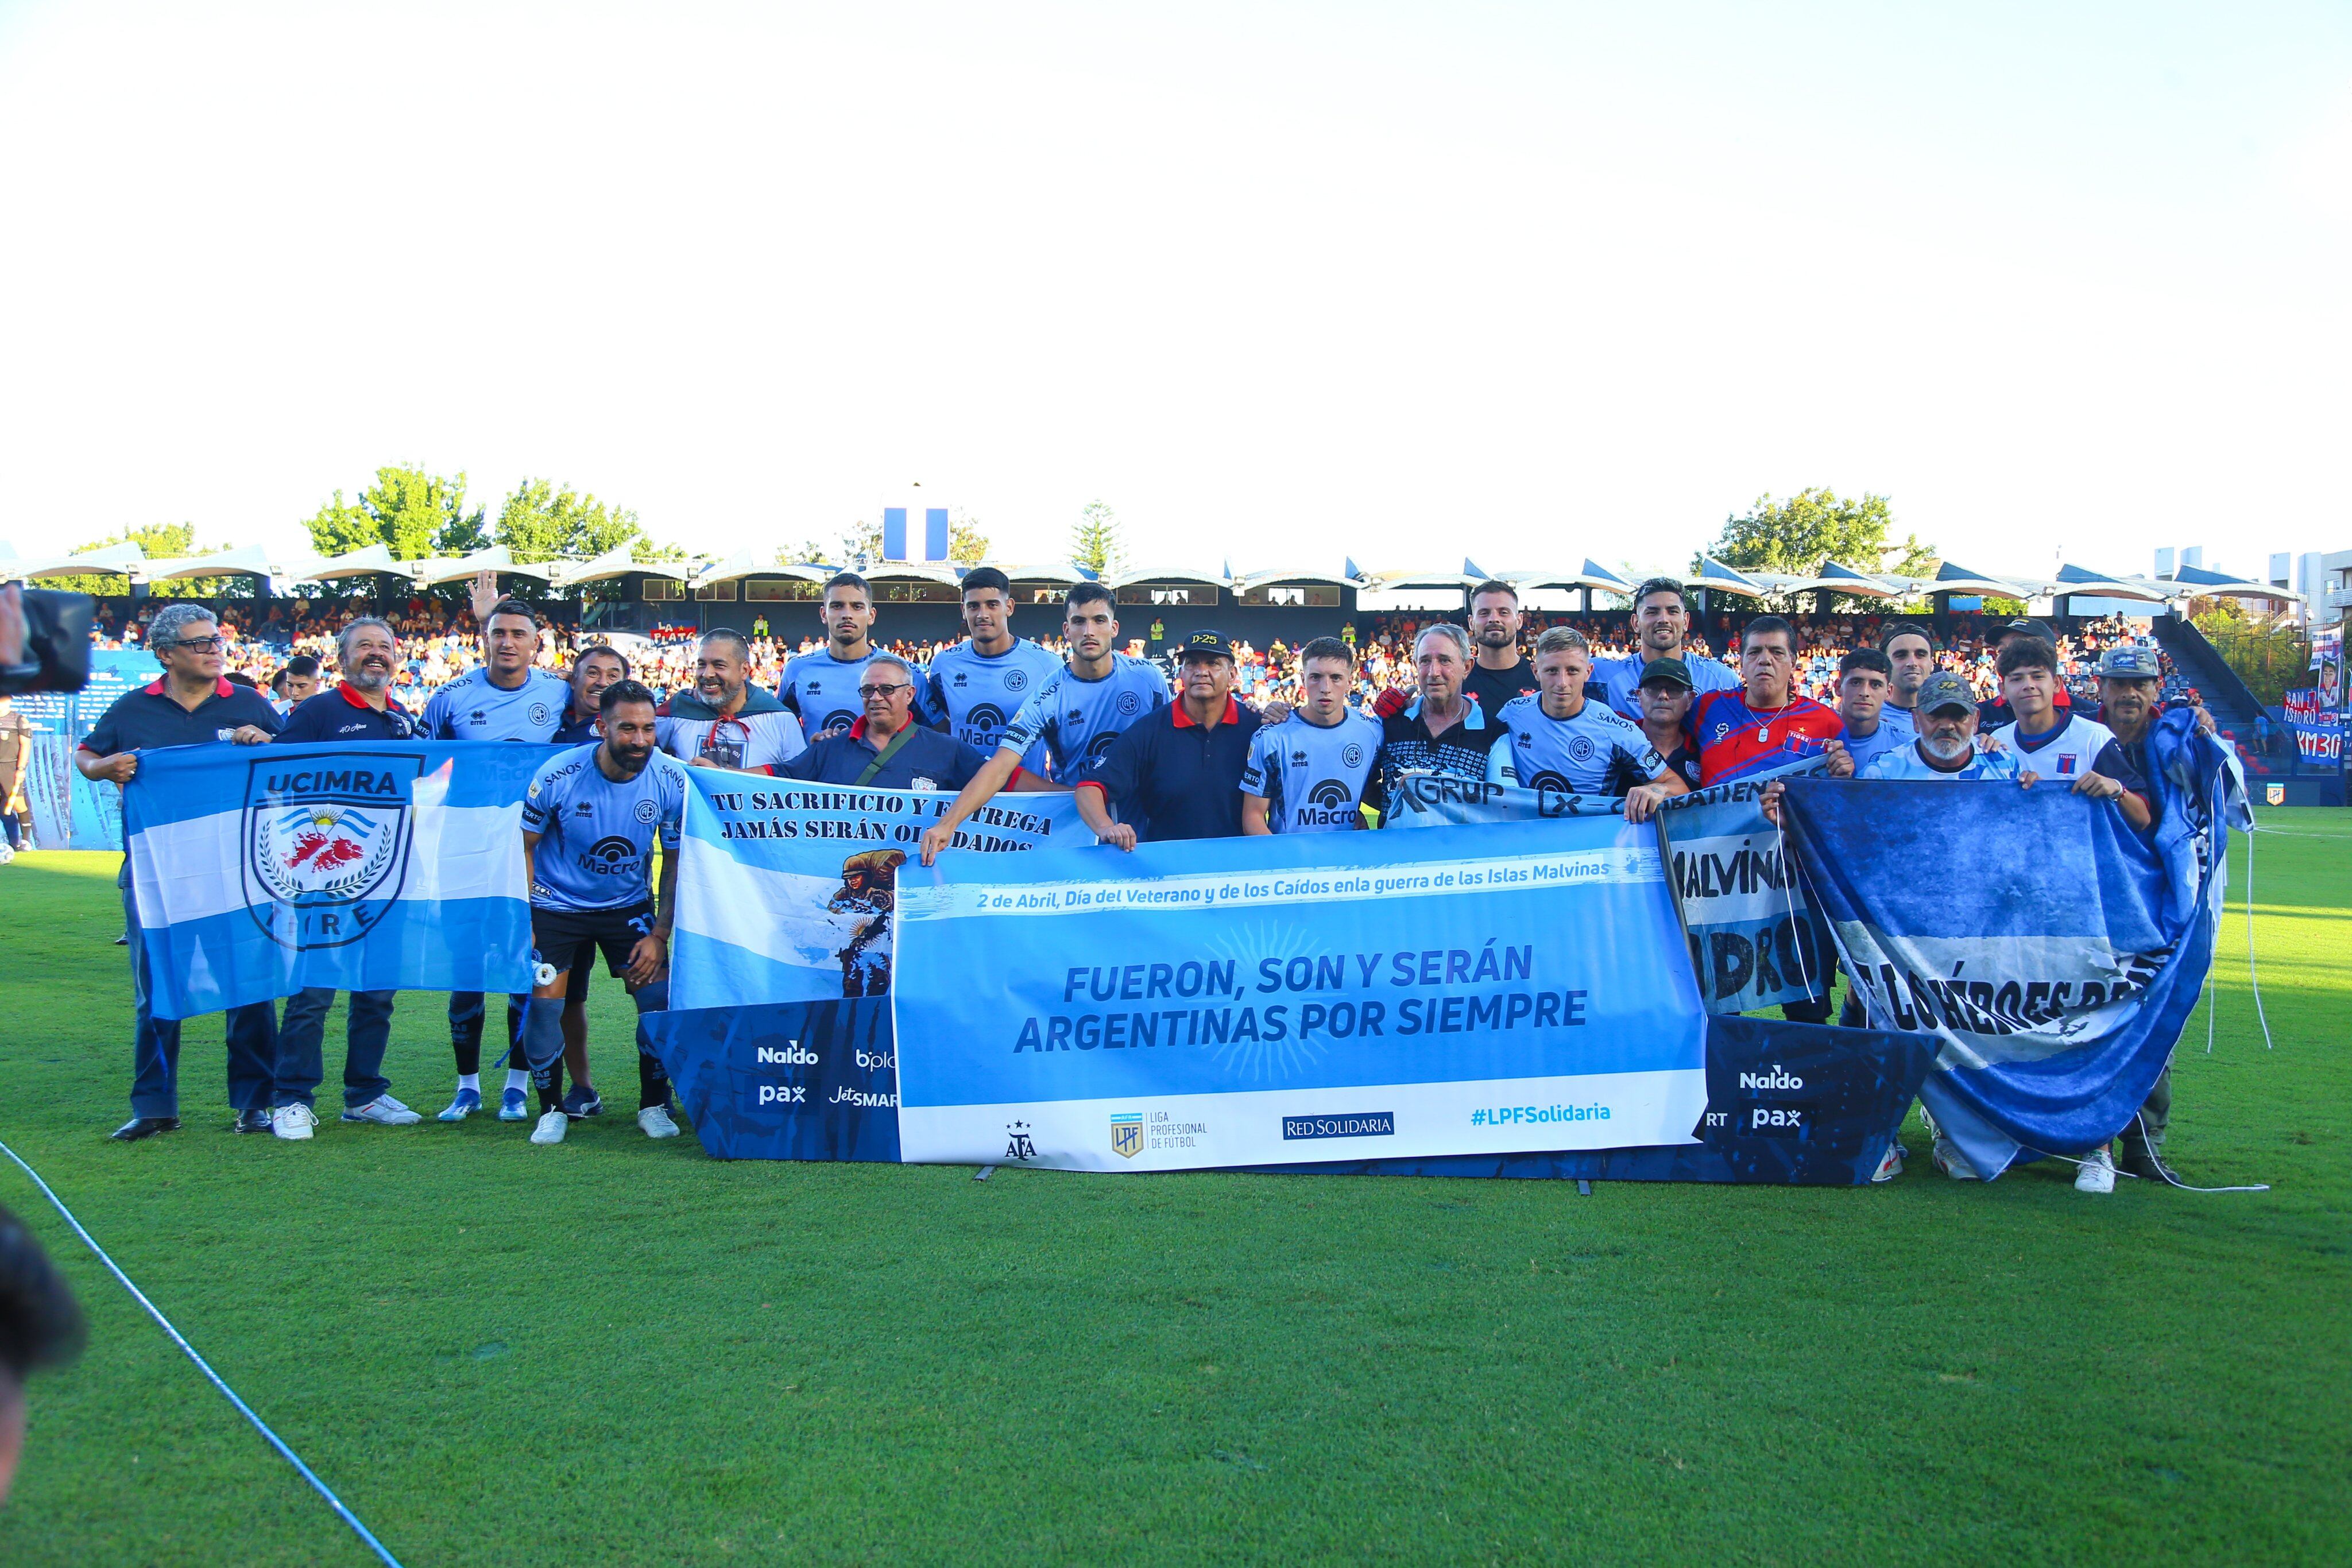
(551, 1128)
(384, 1111)
(1952, 1163)
(292, 1122)
(2097, 1173)
(1890, 1164)
(654, 1119)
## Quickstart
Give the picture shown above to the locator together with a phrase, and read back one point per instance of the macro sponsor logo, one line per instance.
(1341, 1125)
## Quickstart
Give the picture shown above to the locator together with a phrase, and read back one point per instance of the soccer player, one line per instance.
(1313, 772)
(1076, 713)
(1177, 769)
(596, 668)
(358, 711)
(1666, 695)
(189, 705)
(1440, 730)
(1865, 679)
(302, 681)
(822, 687)
(1767, 723)
(1661, 625)
(2056, 743)
(1556, 739)
(974, 689)
(506, 698)
(1910, 651)
(1499, 674)
(888, 747)
(589, 822)
(725, 721)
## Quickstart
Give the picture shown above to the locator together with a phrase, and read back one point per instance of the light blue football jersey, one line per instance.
(471, 708)
(1078, 719)
(1866, 750)
(1596, 752)
(1313, 777)
(977, 694)
(1905, 762)
(823, 690)
(597, 837)
(1622, 678)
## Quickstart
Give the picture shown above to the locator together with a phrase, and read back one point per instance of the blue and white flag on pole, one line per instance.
(260, 871)
(787, 891)
(2051, 951)
(1294, 1000)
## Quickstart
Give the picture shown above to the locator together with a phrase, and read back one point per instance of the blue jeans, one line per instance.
(155, 1042)
(301, 1041)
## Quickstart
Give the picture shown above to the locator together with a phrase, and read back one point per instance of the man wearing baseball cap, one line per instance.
(1945, 747)
(1664, 696)
(1177, 772)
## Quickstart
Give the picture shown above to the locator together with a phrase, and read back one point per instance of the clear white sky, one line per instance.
(1282, 282)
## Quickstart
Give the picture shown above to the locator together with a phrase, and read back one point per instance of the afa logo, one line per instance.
(1126, 1134)
(326, 844)
(1130, 704)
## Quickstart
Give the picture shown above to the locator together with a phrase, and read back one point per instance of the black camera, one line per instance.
(44, 641)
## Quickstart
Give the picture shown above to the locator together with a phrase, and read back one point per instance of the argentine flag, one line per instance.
(258, 870)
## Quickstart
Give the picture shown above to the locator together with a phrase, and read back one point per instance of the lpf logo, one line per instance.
(326, 844)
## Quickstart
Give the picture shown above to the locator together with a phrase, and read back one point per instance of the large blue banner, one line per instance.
(1329, 997)
(69, 811)
(2049, 953)
(1754, 941)
(806, 1081)
(787, 891)
(260, 870)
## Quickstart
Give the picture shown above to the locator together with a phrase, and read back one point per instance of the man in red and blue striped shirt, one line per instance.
(1766, 723)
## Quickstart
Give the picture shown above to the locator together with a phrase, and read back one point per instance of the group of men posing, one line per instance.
(998, 712)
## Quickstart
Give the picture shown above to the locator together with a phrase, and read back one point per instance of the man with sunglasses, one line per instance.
(189, 705)
(887, 747)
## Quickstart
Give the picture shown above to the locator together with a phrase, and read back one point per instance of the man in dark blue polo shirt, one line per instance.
(1178, 771)
(358, 711)
(887, 747)
(596, 668)
(191, 705)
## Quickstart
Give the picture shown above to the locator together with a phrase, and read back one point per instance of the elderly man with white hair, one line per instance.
(189, 705)
(887, 747)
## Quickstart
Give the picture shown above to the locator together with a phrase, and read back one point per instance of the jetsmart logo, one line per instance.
(792, 1055)
(1778, 1077)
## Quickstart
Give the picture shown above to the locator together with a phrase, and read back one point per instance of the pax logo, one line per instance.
(1777, 1077)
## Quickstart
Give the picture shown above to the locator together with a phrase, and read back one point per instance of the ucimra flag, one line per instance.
(2050, 952)
(259, 871)
(788, 891)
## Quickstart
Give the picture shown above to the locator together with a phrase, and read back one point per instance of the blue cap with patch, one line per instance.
(2131, 662)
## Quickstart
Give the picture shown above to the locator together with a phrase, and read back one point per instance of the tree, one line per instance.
(412, 513)
(1095, 542)
(542, 521)
(162, 541)
(1816, 525)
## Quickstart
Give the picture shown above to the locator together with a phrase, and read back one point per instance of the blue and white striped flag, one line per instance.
(788, 891)
(259, 871)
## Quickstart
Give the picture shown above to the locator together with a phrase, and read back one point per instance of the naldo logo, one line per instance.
(1775, 1077)
(792, 1053)
(326, 844)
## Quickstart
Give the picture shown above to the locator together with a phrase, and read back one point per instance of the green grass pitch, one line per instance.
(620, 1351)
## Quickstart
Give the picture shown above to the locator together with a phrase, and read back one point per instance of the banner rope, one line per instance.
(2254, 977)
(291, 1457)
